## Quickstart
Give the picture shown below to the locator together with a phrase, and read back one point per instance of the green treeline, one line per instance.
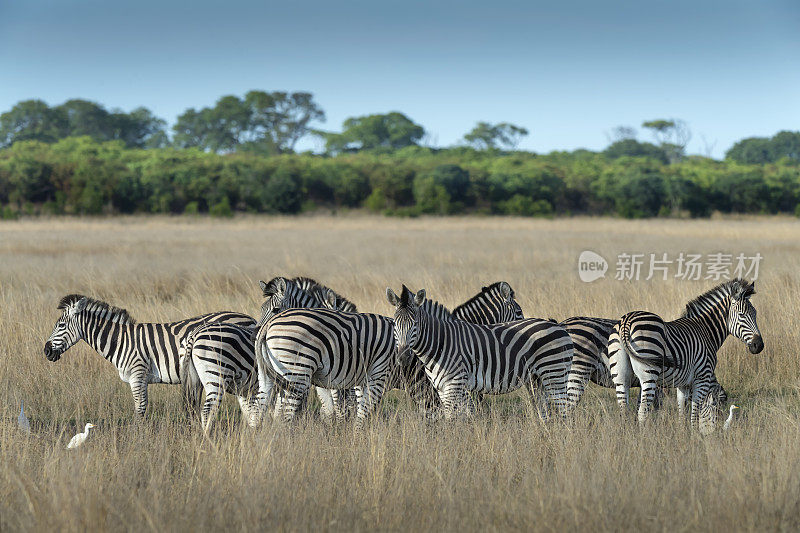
(78, 158)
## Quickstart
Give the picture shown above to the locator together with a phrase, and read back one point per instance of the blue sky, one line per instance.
(568, 71)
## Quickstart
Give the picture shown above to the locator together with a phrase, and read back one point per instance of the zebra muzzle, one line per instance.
(50, 353)
(756, 345)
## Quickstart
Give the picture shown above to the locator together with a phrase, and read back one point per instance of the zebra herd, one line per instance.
(310, 336)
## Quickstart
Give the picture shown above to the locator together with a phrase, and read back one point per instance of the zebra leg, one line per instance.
(455, 401)
(620, 366)
(700, 392)
(681, 394)
(555, 388)
(538, 397)
(139, 390)
(647, 396)
(292, 399)
(344, 402)
(583, 366)
(251, 410)
(327, 410)
(211, 405)
(369, 399)
(708, 414)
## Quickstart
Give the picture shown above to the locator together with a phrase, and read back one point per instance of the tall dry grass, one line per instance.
(503, 470)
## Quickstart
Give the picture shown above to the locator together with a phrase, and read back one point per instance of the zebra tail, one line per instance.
(627, 343)
(263, 361)
(190, 382)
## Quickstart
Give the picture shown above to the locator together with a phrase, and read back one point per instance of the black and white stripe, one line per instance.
(305, 293)
(460, 357)
(493, 305)
(330, 349)
(682, 353)
(142, 353)
(590, 361)
(221, 357)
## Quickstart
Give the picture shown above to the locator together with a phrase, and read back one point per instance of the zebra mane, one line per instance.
(736, 288)
(115, 314)
(484, 292)
(434, 308)
(317, 290)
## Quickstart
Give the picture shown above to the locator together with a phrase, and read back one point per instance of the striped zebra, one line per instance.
(683, 353)
(590, 361)
(142, 353)
(493, 305)
(460, 357)
(328, 349)
(281, 294)
(220, 358)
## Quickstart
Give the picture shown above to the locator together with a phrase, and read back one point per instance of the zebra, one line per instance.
(280, 294)
(330, 349)
(590, 361)
(495, 303)
(459, 356)
(142, 353)
(220, 358)
(683, 353)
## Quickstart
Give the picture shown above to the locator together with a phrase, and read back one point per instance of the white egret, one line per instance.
(80, 438)
(22, 420)
(726, 426)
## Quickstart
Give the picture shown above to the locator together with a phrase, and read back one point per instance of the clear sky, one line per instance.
(568, 70)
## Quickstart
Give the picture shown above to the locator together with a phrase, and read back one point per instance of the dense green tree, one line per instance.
(31, 120)
(485, 136)
(760, 150)
(753, 150)
(34, 120)
(634, 148)
(391, 130)
(260, 122)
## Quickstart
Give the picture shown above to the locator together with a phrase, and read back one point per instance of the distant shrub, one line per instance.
(221, 209)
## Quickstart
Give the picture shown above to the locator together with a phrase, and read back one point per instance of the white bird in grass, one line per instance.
(726, 426)
(80, 438)
(22, 420)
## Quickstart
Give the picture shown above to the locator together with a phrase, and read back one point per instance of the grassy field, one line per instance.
(504, 470)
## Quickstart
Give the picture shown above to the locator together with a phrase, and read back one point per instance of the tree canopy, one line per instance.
(391, 130)
(35, 120)
(486, 136)
(269, 122)
(760, 150)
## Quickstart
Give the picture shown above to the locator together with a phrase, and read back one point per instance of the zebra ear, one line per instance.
(419, 297)
(280, 285)
(331, 300)
(80, 306)
(505, 291)
(392, 297)
(275, 286)
(750, 289)
(263, 285)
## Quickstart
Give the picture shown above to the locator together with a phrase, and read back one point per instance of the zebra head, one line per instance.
(509, 309)
(742, 316)
(275, 293)
(67, 330)
(406, 318)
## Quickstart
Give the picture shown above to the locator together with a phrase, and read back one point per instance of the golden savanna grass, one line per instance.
(504, 470)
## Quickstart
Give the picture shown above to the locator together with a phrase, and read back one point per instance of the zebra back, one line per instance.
(494, 304)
